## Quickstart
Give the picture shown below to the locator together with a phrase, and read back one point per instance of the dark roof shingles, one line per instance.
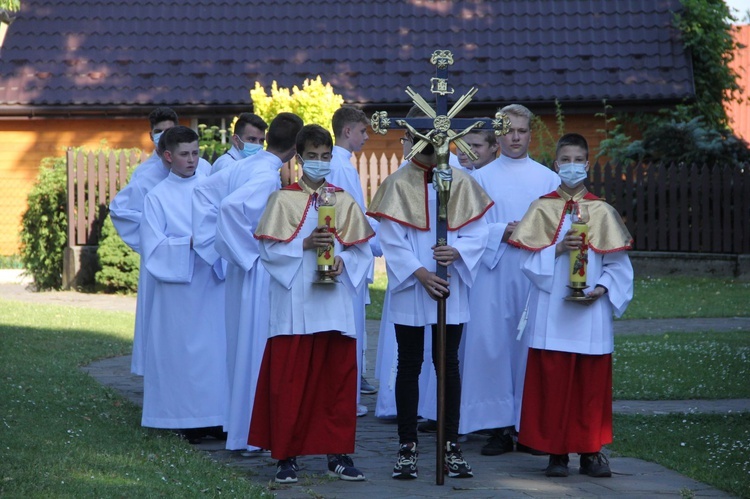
(185, 52)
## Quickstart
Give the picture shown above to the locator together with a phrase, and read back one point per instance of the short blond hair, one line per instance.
(518, 110)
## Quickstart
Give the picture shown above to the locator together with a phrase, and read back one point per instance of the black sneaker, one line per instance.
(406, 465)
(429, 426)
(558, 465)
(365, 387)
(342, 466)
(455, 464)
(286, 471)
(499, 442)
(596, 465)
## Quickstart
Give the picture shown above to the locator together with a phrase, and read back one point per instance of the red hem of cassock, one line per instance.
(567, 402)
(306, 398)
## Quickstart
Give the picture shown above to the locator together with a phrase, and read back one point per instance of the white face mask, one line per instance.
(156, 137)
(316, 170)
(249, 149)
(572, 174)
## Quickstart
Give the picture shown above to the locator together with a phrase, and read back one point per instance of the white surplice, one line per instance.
(227, 159)
(126, 211)
(297, 305)
(208, 196)
(185, 383)
(564, 326)
(247, 304)
(493, 361)
(344, 174)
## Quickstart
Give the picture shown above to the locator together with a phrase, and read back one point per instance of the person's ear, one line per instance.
(168, 156)
(587, 165)
(556, 165)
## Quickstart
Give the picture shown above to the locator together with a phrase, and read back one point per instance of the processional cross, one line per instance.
(438, 129)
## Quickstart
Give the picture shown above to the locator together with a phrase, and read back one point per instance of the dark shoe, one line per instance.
(429, 426)
(406, 465)
(455, 464)
(558, 465)
(286, 471)
(342, 466)
(366, 388)
(216, 432)
(529, 450)
(499, 443)
(596, 465)
(193, 435)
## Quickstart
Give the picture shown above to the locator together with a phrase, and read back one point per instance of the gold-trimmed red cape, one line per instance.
(402, 198)
(543, 221)
(287, 208)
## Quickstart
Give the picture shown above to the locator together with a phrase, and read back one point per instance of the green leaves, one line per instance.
(120, 265)
(45, 226)
(315, 102)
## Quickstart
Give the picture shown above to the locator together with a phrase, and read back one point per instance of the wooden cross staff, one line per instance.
(438, 129)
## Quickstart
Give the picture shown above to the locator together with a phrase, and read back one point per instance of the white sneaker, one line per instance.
(361, 410)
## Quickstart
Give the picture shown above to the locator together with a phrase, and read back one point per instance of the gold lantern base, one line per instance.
(578, 295)
(325, 276)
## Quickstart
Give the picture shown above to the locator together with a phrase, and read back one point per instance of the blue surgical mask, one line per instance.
(249, 149)
(572, 174)
(316, 170)
(155, 138)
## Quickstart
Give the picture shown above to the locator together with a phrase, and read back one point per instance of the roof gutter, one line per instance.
(116, 111)
(223, 110)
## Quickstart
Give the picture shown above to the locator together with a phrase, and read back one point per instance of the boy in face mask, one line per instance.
(567, 398)
(305, 400)
(248, 138)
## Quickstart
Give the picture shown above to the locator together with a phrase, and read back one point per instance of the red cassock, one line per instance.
(306, 401)
(567, 402)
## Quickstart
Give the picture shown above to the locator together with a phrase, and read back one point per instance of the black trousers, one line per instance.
(410, 341)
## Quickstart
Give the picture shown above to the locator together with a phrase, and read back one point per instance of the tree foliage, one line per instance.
(315, 102)
(706, 30)
(10, 5)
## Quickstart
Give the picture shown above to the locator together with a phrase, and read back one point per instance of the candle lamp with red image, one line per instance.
(326, 216)
(579, 258)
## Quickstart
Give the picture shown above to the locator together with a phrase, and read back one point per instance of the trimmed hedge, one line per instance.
(119, 265)
(45, 226)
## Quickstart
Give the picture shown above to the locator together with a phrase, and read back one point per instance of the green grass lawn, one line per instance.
(712, 449)
(65, 435)
(671, 297)
(681, 366)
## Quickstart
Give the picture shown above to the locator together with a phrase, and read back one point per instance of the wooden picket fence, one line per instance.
(687, 208)
(666, 208)
(93, 180)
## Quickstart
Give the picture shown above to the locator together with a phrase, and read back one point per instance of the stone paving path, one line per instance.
(513, 475)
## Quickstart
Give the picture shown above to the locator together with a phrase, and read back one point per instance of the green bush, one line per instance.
(44, 232)
(210, 143)
(119, 265)
(45, 226)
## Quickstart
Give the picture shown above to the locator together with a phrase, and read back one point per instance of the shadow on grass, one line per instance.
(67, 435)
